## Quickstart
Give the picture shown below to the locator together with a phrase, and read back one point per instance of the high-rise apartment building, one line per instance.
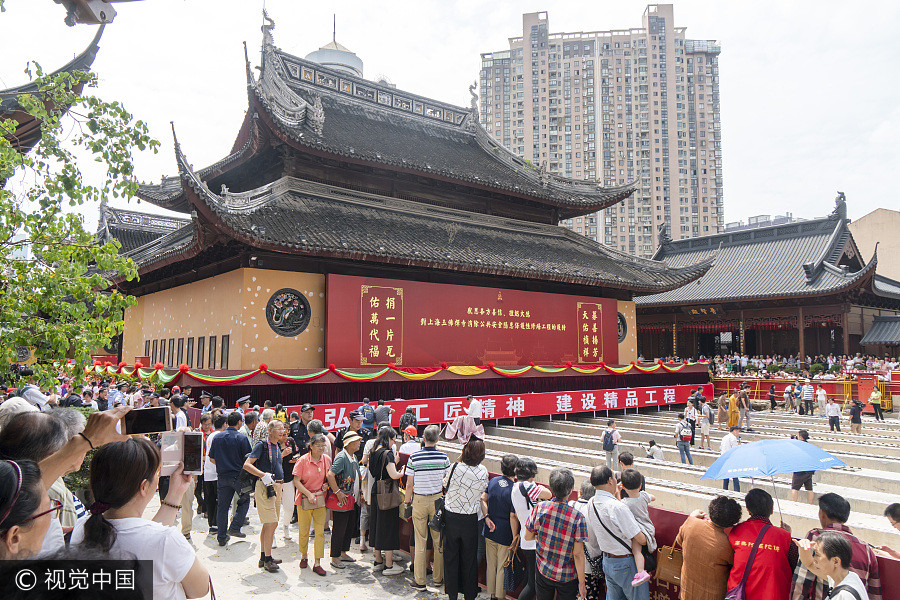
(615, 107)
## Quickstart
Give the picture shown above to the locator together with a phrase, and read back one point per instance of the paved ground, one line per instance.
(235, 573)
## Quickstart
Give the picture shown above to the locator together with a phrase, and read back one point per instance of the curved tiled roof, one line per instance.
(135, 229)
(792, 260)
(352, 117)
(28, 130)
(885, 331)
(314, 107)
(301, 217)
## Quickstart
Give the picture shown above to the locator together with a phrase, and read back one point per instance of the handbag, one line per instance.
(406, 511)
(738, 592)
(513, 571)
(669, 562)
(319, 502)
(439, 521)
(387, 490)
(332, 502)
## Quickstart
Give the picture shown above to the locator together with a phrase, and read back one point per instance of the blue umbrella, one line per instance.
(767, 458)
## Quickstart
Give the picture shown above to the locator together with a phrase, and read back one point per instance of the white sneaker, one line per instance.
(395, 570)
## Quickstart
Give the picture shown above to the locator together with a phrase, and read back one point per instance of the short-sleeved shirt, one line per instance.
(300, 435)
(368, 414)
(464, 489)
(616, 516)
(856, 414)
(346, 471)
(209, 469)
(365, 434)
(382, 416)
(268, 459)
(229, 449)
(616, 436)
(172, 555)
(557, 527)
(499, 504)
(288, 454)
(312, 473)
(428, 467)
(525, 495)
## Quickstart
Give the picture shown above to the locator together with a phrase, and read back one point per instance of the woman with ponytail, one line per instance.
(25, 509)
(124, 478)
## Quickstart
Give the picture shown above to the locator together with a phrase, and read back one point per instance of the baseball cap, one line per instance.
(411, 430)
(355, 414)
(175, 388)
(307, 407)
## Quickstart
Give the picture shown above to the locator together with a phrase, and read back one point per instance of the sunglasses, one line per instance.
(55, 505)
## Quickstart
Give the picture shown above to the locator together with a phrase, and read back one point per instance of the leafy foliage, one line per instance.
(59, 301)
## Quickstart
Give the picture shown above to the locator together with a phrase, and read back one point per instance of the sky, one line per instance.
(809, 90)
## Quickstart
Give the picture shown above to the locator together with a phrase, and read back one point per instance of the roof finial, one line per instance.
(267, 27)
(840, 208)
(472, 89)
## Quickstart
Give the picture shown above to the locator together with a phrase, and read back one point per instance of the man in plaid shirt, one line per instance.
(560, 532)
(834, 510)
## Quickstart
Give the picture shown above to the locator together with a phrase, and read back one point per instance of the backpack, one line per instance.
(710, 414)
(608, 443)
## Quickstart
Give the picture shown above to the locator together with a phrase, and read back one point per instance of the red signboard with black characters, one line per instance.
(506, 406)
(374, 321)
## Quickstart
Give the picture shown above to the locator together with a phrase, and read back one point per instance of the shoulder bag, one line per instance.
(439, 520)
(387, 490)
(738, 592)
(843, 588)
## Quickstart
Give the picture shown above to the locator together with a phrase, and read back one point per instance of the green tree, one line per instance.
(60, 301)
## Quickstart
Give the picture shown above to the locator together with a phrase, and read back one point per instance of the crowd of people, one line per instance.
(359, 481)
(820, 366)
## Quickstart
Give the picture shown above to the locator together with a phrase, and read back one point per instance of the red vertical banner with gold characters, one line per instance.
(381, 325)
(373, 321)
(590, 337)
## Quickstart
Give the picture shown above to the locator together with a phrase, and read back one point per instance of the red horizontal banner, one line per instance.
(414, 324)
(505, 406)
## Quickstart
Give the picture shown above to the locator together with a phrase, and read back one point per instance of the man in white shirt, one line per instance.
(833, 412)
(609, 519)
(410, 443)
(821, 398)
(474, 409)
(729, 441)
(210, 476)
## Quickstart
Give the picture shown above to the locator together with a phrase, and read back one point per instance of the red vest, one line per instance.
(770, 575)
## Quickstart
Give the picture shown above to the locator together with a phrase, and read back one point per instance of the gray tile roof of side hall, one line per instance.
(779, 261)
(885, 330)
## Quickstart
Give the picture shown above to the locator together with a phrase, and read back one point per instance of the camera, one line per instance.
(270, 491)
(794, 437)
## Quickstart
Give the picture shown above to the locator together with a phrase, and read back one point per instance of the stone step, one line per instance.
(780, 419)
(862, 500)
(869, 478)
(686, 498)
(852, 453)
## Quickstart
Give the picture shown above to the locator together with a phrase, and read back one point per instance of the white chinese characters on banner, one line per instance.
(631, 399)
(588, 402)
(452, 409)
(610, 400)
(564, 403)
(515, 406)
(488, 405)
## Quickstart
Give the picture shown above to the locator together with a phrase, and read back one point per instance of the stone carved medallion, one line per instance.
(288, 312)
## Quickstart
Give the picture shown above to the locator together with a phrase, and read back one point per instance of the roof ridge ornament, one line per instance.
(665, 240)
(316, 116)
(840, 208)
(267, 27)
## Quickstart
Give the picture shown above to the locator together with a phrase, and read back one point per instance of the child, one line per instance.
(638, 502)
